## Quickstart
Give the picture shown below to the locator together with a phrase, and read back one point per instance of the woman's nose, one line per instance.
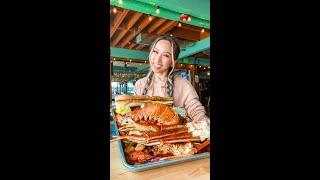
(157, 58)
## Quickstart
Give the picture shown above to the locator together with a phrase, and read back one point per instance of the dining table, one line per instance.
(195, 169)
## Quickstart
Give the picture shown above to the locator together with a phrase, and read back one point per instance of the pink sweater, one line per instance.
(184, 95)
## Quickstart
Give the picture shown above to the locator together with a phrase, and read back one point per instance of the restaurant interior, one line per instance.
(133, 27)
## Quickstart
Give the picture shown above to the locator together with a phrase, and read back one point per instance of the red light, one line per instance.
(184, 17)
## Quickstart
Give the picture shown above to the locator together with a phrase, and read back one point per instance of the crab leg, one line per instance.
(177, 140)
(150, 136)
(133, 137)
(165, 134)
(193, 151)
(199, 147)
(150, 127)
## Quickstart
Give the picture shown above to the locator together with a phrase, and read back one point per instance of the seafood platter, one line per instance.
(152, 133)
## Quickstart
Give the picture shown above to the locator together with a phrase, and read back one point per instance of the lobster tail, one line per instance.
(161, 113)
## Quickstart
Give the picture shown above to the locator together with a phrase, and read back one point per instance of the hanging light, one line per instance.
(158, 10)
(199, 66)
(189, 18)
(114, 59)
(179, 24)
(130, 60)
(114, 10)
(145, 61)
(184, 17)
(171, 34)
(204, 68)
(150, 18)
(202, 30)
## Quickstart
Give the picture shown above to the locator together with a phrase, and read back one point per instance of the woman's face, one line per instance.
(161, 59)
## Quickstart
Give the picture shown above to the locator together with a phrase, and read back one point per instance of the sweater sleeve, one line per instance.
(190, 100)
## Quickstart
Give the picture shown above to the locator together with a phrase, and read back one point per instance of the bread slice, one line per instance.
(132, 101)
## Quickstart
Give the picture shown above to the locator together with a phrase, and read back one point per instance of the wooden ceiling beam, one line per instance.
(151, 29)
(122, 28)
(134, 19)
(204, 35)
(145, 22)
(166, 27)
(186, 34)
(155, 25)
(141, 46)
(118, 20)
(131, 22)
(132, 45)
(189, 27)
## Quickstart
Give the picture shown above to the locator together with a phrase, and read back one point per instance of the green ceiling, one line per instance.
(169, 9)
(194, 48)
(172, 9)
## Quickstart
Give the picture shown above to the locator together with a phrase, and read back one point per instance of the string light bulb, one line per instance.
(114, 10)
(150, 18)
(189, 18)
(179, 24)
(158, 10)
(114, 59)
(202, 30)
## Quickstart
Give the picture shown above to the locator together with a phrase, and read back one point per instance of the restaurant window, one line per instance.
(122, 88)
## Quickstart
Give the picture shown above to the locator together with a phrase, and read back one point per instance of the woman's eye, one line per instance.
(167, 56)
(155, 51)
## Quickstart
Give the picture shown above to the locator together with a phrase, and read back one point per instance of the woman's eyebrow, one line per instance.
(163, 52)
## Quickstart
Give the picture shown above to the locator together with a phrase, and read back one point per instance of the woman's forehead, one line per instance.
(163, 45)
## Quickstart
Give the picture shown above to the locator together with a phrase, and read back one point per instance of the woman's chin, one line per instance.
(157, 70)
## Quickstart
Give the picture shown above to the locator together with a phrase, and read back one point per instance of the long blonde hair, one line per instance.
(175, 51)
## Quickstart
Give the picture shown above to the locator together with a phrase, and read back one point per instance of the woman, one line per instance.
(161, 81)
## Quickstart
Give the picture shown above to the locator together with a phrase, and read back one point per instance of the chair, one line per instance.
(207, 107)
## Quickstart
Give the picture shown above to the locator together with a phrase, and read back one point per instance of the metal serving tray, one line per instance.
(155, 164)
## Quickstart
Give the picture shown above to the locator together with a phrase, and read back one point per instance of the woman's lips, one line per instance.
(156, 65)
